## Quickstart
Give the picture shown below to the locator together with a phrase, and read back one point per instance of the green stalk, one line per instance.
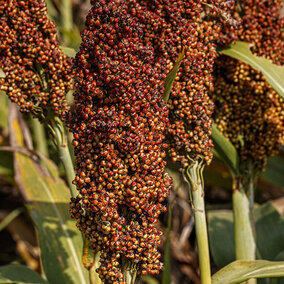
(94, 276)
(129, 271)
(66, 14)
(195, 176)
(62, 146)
(244, 227)
(91, 262)
(39, 136)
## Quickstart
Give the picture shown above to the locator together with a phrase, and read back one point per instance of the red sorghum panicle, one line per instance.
(37, 73)
(248, 111)
(194, 26)
(118, 124)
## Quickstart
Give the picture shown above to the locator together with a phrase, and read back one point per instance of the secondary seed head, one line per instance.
(194, 26)
(248, 111)
(37, 74)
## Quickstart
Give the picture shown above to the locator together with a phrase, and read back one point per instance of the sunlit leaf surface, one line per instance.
(274, 74)
(48, 203)
(242, 270)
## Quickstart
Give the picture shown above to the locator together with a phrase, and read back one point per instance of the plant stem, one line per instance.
(61, 143)
(129, 271)
(66, 16)
(91, 262)
(39, 136)
(244, 227)
(194, 174)
(94, 276)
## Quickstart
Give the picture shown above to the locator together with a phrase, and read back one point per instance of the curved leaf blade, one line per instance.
(269, 230)
(225, 150)
(15, 273)
(242, 270)
(274, 172)
(172, 75)
(48, 197)
(221, 236)
(274, 74)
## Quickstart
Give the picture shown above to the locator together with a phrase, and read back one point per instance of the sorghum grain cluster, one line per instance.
(118, 124)
(194, 26)
(37, 74)
(248, 111)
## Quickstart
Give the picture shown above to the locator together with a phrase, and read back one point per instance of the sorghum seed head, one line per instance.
(118, 124)
(37, 74)
(248, 111)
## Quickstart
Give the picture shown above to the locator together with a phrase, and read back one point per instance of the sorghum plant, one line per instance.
(118, 125)
(37, 73)
(193, 27)
(244, 101)
(120, 121)
(249, 112)
(172, 26)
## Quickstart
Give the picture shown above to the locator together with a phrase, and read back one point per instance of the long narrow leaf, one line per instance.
(172, 75)
(269, 231)
(6, 161)
(225, 150)
(273, 74)
(242, 270)
(274, 173)
(10, 217)
(15, 273)
(48, 197)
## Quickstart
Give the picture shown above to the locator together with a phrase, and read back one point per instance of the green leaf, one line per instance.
(221, 236)
(274, 172)
(167, 254)
(217, 175)
(280, 256)
(48, 196)
(242, 270)
(15, 273)
(172, 75)
(225, 150)
(6, 165)
(273, 74)
(3, 109)
(6, 161)
(11, 216)
(269, 230)
(68, 51)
